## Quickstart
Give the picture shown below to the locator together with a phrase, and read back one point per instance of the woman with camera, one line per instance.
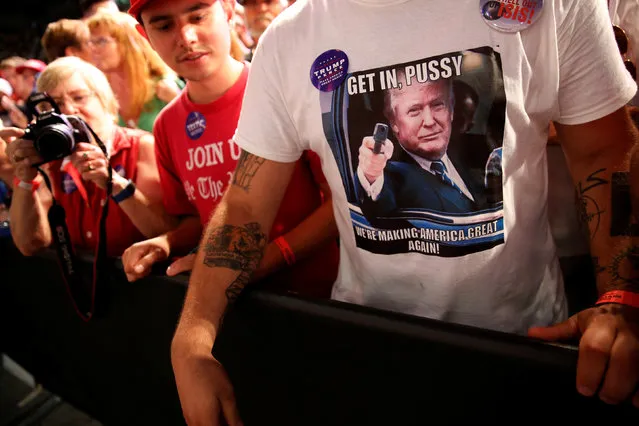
(143, 84)
(79, 181)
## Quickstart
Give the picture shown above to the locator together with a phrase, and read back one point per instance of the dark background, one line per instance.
(22, 23)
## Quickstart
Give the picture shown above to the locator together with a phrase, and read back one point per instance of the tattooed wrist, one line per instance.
(239, 248)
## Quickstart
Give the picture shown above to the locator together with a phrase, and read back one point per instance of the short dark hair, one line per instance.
(62, 34)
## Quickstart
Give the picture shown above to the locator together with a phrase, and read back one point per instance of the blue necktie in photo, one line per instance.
(439, 168)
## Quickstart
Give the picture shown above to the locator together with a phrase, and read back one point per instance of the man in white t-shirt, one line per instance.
(494, 268)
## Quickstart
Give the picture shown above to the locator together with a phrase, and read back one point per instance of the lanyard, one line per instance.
(82, 294)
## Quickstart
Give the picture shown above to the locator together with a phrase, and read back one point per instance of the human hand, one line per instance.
(140, 257)
(20, 153)
(371, 164)
(16, 116)
(90, 161)
(183, 264)
(206, 393)
(608, 350)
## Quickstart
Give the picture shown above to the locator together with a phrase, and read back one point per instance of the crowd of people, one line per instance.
(413, 181)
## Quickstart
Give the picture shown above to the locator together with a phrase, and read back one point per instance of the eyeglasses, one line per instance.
(623, 44)
(100, 42)
(78, 99)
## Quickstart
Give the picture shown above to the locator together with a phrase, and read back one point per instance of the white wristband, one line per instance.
(28, 186)
(25, 185)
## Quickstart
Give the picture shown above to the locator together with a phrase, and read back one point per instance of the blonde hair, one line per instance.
(143, 66)
(236, 48)
(62, 34)
(63, 68)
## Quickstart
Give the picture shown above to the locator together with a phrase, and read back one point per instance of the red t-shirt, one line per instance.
(82, 216)
(196, 158)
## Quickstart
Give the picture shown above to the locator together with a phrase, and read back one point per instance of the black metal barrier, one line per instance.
(292, 361)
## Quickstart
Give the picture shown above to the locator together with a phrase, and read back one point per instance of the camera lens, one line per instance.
(54, 142)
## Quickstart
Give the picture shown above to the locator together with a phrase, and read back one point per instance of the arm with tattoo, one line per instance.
(605, 212)
(238, 248)
(598, 155)
(231, 248)
(603, 206)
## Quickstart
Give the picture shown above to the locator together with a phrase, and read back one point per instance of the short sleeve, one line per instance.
(174, 197)
(593, 81)
(265, 127)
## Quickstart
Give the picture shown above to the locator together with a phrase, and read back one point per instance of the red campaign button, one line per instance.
(510, 16)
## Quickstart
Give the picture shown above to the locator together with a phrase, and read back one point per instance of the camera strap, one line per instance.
(81, 293)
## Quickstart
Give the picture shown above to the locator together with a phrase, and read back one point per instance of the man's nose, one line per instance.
(427, 117)
(188, 35)
(262, 6)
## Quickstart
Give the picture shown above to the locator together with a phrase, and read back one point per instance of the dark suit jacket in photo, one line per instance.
(407, 185)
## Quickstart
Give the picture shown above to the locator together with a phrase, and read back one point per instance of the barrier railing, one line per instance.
(292, 361)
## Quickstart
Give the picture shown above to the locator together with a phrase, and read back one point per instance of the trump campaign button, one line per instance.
(195, 125)
(510, 16)
(329, 70)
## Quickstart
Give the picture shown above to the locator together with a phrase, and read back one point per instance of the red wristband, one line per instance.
(621, 297)
(286, 250)
(29, 186)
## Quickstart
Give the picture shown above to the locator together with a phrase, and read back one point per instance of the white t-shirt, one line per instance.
(421, 249)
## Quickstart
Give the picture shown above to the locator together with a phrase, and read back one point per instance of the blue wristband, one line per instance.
(127, 192)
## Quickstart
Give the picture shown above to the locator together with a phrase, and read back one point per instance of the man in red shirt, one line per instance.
(196, 154)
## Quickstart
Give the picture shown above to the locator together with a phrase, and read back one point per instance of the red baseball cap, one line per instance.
(31, 64)
(137, 6)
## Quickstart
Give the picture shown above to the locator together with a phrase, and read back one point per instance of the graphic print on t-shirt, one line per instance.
(419, 149)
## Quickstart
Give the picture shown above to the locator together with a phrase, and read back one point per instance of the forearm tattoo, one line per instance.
(239, 248)
(621, 218)
(624, 263)
(588, 209)
(247, 167)
(623, 269)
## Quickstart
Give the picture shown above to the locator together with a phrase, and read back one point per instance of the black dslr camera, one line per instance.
(54, 134)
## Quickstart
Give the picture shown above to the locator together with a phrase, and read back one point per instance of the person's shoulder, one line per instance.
(172, 110)
(298, 10)
(568, 13)
(131, 133)
(130, 137)
(146, 140)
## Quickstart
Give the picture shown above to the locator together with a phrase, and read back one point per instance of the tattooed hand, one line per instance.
(608, 350)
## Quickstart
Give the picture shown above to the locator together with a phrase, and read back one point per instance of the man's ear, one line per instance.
(141, 30)
(395, 128)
